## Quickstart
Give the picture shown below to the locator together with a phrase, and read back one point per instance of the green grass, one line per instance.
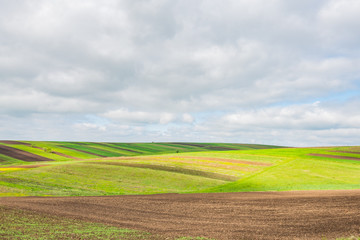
(65, 151)
(257, 169)
(6, 160)
(83, 179)
(19, 224)
(40, 152)
(280, 169)
(22, 224)
(296, 170)
(55, 146)
(92, 149)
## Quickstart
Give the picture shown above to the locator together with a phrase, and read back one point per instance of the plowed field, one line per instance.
(255, 215)
(22, 155)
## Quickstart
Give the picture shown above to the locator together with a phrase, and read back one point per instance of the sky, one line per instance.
(262, 71)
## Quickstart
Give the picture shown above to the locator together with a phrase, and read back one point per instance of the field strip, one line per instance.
(173, 169)
(21, 155)
(14, 142)
(27, 166)
(352, 152)
(67, 156)
(119, 148)
(335, 156)
(83, 151)
(223, 216)
(226, 160)
(199, 145)
(209, 164)
(265, 170)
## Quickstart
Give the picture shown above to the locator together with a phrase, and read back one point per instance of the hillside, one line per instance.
(20, 152)
(88, 169)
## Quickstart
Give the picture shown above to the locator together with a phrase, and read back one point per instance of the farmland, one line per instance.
(250, 215)
(64, 171)
(64, 151)
(211, 174)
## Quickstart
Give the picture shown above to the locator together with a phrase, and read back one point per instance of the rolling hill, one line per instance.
(93, 169)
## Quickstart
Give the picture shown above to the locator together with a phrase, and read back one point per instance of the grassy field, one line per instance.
(95, 169)
(65, 151)
(275, 169)
(23, 224)
(297, 169)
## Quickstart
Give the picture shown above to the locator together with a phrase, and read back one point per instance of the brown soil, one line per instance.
(335, 156)
(26, 166)
(347, 152)
(257, 215)
(14, 142)
(57, 153)
(21, 155)
(354, 148)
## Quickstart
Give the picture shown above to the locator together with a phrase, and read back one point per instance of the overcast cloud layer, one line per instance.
(272, 71)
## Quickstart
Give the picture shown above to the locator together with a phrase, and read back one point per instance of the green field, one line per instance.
(23, 224)
(95, 169)
(181, 168)
(64, 151)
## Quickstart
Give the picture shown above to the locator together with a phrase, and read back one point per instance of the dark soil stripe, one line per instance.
(334, 156)
(221, 216)
(14, 142)
(27, 166)
(83, 151)
(58, 153)
(173, 169)
(92, 146)
(78, 143)
(347, 152)
(22, 155)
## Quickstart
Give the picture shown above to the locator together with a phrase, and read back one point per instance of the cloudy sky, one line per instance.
(261, 71)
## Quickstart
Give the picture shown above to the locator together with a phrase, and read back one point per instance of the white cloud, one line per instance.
(28, 101)
(163, 68)
(187, 118)
(306, 117)
(91, 126)
(338, 19)
(124, 115)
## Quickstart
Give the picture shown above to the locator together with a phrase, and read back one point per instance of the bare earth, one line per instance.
(22, 155)
(334, 156)
(256, 215)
